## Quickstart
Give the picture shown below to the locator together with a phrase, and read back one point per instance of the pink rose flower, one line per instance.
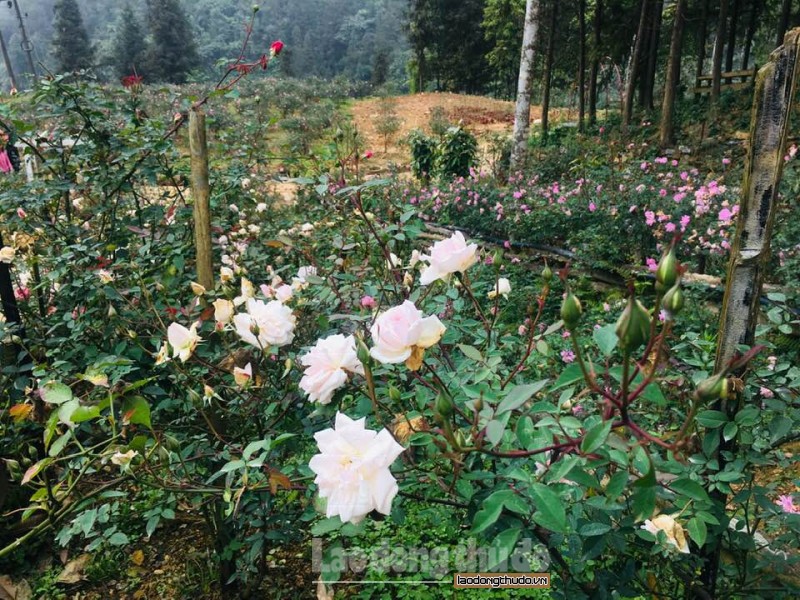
(447, 257)
(399, 330)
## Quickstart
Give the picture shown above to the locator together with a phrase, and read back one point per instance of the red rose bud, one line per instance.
(276, 48)
(633, 326)
(667, 271)
(571, 311)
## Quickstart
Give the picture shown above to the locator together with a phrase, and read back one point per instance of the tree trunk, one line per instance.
(522, 114)
(7, 61)
(582, 65)
(719, 47)
(701, 42)
(548, 72)
(731, 50)
(667, 133)
(595, 70)
(783, 23)
(633, 68)
(648, 84)
(200, 198)
(769, 127)
(751, 32)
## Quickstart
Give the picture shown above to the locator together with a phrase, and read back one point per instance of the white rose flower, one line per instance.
(353, 469)
(266, 324)
(182, 340)
(284, 293)
(248, 292)
(447, 257)
(327, 365)
(402, 331)
(123, 459)
(7, 254)
(225, 274)
(223, 311)
(502, 288)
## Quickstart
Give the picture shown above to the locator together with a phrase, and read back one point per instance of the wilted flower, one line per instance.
(123, 459)
(7, 254)
(672, 529)
(163, 354)
(182, 340)
(447, 257)
(502, 287)
(243, 376)
(248, 291)
(327, 365)
(266, 324)
(353, 469)
(105, 276)
(401, 334)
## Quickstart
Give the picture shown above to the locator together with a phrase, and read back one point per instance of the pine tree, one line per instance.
(173, 53)
(71, 46)
(130, 46)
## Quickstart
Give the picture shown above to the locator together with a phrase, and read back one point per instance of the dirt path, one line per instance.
(480, 115)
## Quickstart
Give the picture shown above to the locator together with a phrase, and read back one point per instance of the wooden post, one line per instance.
(774, 90)
(769, 124)
(200, 197)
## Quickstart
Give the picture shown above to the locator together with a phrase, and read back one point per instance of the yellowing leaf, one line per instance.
(20, 412)
(137, 558)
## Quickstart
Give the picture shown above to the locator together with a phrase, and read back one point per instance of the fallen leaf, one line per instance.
(74, 571)
(20, 412)
(14, 591)
(278, 479)
(137, 558)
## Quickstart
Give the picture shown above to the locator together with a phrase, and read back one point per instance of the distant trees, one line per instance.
(173, 53)
(130, 46)
(71, 47)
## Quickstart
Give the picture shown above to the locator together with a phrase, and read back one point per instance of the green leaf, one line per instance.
(519, 395)
(644, 495)
(494, 431)
(471, 352)
(326, 526)
(232, 466)
(692, 489)
(697, 530)
(502, 546)
(711, 418)
(118, 539)
(606, 338)
(569, 376)
(60, 443)
(593, 529)
(596, 437)
(486, 517)
(136, 410)
(729, 431)
(525, 431)
(616, 485)
(550, 512)
(56, 393)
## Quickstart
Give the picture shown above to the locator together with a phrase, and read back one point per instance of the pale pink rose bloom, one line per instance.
(327, 365)
(368, 302)
(353, 469)
(501, 288)
(398, 330)
(266, 324)
(284, 293)
(447, 257)
(182, 340)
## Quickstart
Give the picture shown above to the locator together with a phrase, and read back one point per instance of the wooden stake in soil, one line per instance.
(200, 196)
(769, 125)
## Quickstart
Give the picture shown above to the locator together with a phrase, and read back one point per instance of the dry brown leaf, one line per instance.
(14, 591)
(322, 591)
(137, 558)
(74, 571)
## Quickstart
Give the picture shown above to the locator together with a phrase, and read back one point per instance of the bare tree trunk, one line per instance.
(522, 115)
(731, 50)
(769, 127)
(582, 65)
(751, 32)
(7, 60)
(548, 71)
(719, 47)
(649, 81)
(783, 24)
(701, 42)
(595, 70)
(667, 132)
(633, 69)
